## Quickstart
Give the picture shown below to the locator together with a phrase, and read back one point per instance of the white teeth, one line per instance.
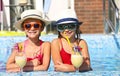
(32, 31)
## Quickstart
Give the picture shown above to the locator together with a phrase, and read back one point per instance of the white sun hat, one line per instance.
(32, 13)
(67, 16)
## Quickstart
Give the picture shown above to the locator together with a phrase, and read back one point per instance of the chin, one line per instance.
(32, 36)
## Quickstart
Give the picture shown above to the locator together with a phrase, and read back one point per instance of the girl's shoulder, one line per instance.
(82, 42)
(56, 40)
(45, 43)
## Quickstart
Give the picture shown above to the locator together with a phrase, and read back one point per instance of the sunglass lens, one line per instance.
(36, 25)
(60, 27)
(71, 26)
(27, 26)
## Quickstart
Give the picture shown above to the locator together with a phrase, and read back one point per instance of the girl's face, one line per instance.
(32, 28)
(67, 29)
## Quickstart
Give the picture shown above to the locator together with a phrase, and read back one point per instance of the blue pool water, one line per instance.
(104, 53)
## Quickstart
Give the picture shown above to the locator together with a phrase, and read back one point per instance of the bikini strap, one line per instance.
(41, 42)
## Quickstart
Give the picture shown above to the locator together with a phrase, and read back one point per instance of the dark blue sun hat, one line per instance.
(67, 16)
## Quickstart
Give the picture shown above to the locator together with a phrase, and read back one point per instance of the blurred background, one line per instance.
(98, 16)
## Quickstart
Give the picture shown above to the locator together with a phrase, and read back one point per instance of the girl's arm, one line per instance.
(10, 65)
(58, 64)
(86, 64)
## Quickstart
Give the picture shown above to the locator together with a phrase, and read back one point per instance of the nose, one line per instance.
(32, 28)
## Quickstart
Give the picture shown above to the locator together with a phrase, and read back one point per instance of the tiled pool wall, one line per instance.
(104, 51)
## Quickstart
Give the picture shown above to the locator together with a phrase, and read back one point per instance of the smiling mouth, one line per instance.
(67, 32)
(32, 32)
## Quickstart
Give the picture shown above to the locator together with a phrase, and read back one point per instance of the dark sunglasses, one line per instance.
(69, 26)
(28, 26)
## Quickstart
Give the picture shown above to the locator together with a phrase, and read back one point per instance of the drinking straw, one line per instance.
(69, 42)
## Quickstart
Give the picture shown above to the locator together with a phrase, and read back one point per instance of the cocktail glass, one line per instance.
(76, 59)
(20, 60)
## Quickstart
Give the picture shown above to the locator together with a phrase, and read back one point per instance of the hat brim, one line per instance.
(18, 24)
(79, 23)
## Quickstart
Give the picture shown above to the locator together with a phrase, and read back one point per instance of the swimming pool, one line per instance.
(104, 53)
